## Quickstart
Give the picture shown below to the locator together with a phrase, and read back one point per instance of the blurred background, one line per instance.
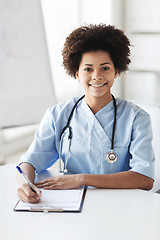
(32, 33)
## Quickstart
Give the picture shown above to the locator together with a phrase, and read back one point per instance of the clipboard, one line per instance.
(158, 191)
(70, 200)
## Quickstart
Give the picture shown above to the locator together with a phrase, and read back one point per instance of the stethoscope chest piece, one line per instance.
(111, 157)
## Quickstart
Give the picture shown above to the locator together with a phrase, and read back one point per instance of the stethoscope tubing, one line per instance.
(114, 122)
(69, 119)
(70, 134)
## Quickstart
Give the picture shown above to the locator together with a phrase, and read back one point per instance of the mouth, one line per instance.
(98, 85)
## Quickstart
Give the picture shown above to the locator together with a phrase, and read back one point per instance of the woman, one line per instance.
(110, 145)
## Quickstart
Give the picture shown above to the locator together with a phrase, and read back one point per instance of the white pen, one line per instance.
(25, 178)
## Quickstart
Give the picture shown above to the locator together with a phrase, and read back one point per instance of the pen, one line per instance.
(25, 178)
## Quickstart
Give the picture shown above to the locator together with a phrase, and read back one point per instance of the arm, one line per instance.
(128, 179)
(24, 192)
(29, 171)
(122, 180)
(41, 154)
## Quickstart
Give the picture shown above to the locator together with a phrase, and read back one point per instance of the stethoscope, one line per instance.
(111, 157)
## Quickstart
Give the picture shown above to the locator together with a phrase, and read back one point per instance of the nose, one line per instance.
(96, 76)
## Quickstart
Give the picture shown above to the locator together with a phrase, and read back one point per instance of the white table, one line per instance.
(106, 214)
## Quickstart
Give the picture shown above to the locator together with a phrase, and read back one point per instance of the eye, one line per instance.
(88, 69)
(105, 68)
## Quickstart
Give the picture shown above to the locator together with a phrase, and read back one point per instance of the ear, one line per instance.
(77, 76)
(116, 73)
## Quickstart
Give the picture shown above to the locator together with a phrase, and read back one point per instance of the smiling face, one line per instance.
(96, 74)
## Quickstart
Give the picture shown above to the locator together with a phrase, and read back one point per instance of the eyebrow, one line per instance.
(87, 64)
(105, 63)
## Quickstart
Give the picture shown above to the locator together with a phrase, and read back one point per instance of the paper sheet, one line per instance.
(64, 200)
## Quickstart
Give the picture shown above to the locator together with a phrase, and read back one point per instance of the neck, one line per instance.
(97, 103)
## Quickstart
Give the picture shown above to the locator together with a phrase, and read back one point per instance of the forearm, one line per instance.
(29, 171)
(125, 180)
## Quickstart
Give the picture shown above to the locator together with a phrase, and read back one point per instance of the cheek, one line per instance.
(83, 82)
(82, 79)
(111, 81)
(112, 77)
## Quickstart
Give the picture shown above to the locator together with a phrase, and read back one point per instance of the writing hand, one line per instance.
(25, 193)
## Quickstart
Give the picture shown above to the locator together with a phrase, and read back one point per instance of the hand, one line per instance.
(25, 193)
(62, 182)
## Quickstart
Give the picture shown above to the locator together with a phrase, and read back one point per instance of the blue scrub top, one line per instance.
(91, 139)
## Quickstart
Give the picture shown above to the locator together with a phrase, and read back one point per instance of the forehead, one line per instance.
(96, 57)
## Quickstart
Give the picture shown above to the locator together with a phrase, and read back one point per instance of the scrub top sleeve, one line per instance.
(141, 150)
(42, 152)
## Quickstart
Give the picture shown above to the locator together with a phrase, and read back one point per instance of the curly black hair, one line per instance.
(92, 38)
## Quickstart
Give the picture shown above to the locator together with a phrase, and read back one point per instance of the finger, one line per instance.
(48, 183)
(51, 187)
(57, 185)
(45, 185)
(26, 198)
(44, 182)
(38, 191)
(29, 193)
(41, 185)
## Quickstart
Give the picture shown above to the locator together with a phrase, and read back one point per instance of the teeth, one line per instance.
(97, 85)
(100, 85)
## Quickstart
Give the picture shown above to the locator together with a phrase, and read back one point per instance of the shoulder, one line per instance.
(130, 110)
(62, 110)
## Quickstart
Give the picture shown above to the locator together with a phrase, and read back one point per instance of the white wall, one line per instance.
(142, 24)
(142, 83)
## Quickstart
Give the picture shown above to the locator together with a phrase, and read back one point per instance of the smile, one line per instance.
(98, 85)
